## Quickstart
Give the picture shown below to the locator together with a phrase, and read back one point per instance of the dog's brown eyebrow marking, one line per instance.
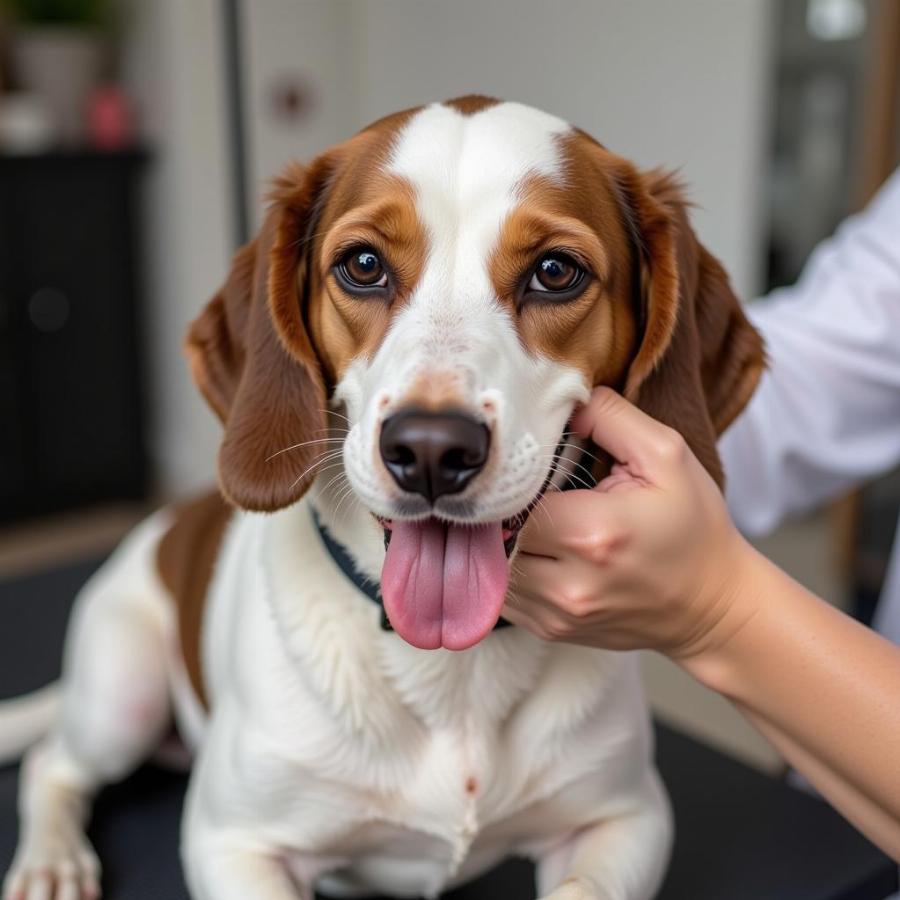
(380, 210)
(390, 219)
(594, 333)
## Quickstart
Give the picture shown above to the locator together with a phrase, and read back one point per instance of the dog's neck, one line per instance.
(440, 687)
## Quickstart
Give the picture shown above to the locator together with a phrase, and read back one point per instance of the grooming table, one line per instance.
(739, 834)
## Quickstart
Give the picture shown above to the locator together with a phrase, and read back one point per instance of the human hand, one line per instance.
(647, 559)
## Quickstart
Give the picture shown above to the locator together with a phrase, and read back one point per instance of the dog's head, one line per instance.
(456, 279)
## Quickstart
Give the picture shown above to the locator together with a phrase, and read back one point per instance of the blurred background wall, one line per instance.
(173, 64)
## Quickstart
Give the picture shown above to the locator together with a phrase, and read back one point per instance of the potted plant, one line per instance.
(58, 52)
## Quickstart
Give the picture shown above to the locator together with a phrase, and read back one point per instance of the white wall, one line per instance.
(304, 41)
(680, 84)
(173, 67)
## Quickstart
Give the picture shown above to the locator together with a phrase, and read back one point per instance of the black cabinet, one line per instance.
(71, 411)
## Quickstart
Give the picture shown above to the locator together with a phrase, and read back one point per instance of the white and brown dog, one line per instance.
(395, 358)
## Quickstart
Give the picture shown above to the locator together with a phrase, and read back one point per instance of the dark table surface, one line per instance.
(739, 834)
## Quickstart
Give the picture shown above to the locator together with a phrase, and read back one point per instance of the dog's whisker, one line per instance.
(335, 463)
(351, 507)
(326, 469)
(334, 412)
(561, 467)
(582, 451)
(339, 491)
(587, 480)
(341, 474)
(564, 445)
(348, 491)
(305, 444)
(541, 505)
(330, 456)
(343, 492)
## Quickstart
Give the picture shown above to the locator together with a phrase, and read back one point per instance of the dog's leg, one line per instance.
(115, 708)
(225, 870)
(230, 849)
(622, 858)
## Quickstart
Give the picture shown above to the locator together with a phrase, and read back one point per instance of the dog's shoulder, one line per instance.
(186, 558)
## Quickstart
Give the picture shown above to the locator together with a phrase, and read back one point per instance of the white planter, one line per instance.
(61, 64)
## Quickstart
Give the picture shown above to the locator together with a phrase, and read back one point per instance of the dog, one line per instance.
(395, 358)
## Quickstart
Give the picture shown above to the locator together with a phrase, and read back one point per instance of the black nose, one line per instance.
(433, 454)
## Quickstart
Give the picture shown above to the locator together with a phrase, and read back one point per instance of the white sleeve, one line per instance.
(827, 411)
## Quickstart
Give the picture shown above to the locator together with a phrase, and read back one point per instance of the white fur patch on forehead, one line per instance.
(484, 154)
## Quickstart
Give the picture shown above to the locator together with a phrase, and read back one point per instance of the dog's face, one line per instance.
(456, 279)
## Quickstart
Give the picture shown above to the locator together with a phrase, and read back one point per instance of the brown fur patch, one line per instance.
(345, 327)
(186, 559)
(596, 332)
(471, 103)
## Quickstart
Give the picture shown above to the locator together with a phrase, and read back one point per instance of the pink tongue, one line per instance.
(443, 585)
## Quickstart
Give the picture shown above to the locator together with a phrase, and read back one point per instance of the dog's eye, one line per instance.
(362, 267)
(555, 274)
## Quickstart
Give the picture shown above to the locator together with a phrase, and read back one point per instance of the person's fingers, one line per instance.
(630, 435)
(533, 585)
(559, 520)
(534, 570)
(575, 587)
(534, 578)
(582, 524)
(551, 518)
(523, 619)
(544, 621)
(619, 478)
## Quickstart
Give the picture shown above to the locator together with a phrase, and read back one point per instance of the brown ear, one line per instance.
(252, 358)
(699, 359)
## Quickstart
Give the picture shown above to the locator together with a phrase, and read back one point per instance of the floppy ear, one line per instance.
(251, 356)
(700, 359)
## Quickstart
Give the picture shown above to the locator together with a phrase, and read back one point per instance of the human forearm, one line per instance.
(827, 685)
(857, 808)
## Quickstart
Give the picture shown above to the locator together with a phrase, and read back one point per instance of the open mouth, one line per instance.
(444, 583)
(509, 528)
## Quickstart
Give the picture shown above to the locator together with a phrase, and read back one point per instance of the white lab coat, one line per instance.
(826, 416)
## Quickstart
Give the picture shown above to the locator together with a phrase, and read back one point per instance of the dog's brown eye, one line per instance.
(555, 274)
(362, 267)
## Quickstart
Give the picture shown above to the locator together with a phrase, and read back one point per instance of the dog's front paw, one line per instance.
(59, 867)
(577, 889)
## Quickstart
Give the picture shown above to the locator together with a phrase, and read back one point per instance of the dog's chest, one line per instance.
(445, 763)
